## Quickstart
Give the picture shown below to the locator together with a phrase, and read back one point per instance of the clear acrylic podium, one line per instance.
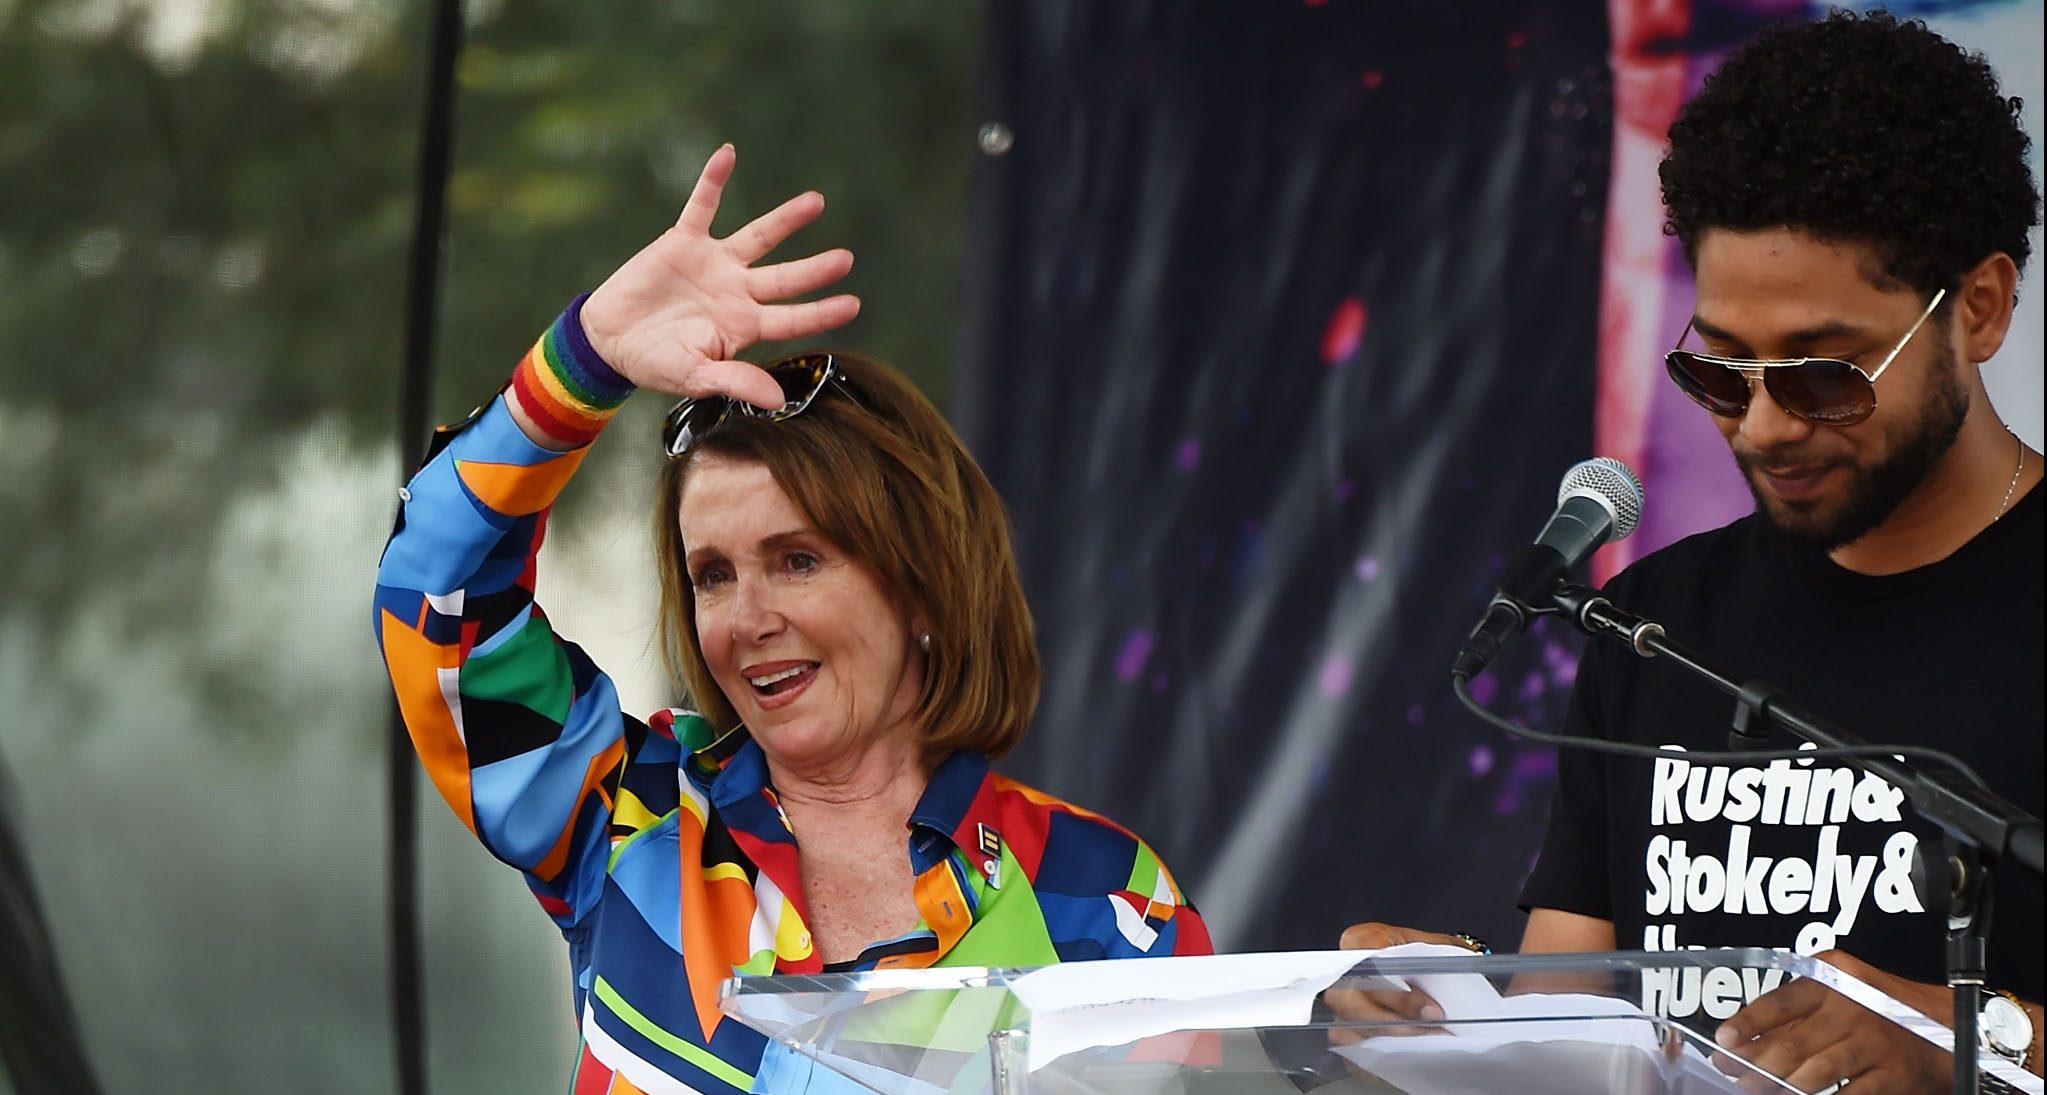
(1259, 1024)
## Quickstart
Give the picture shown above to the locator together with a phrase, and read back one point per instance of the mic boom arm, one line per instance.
(1962, 806)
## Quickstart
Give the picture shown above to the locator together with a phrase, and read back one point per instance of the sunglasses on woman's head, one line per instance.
(801, 377)
(1823, 390)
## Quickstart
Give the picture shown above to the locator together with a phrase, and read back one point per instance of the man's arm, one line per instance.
(1554, 931)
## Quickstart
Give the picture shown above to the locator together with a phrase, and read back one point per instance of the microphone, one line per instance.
(1599, 500)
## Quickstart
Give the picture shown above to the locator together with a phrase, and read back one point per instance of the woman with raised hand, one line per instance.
(839, 599)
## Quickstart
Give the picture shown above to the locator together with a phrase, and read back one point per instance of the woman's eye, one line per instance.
(709, 577)
(802, 561)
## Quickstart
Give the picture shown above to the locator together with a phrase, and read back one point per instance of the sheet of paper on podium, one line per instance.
(1085, 1005)
(1080, 1006)
(1535, 1044)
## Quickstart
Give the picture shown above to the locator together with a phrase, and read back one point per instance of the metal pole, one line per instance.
(422, 307)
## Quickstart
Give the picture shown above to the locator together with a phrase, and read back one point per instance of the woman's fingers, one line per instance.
(674, 315)
(767, 231)
(785, 321)
(784, 280)
(740, 380)
(702, 206)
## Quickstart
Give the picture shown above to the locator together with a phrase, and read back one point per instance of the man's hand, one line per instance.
(1815, 1038)
(1389, 1004)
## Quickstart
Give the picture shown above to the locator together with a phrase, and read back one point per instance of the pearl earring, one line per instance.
(924, 641)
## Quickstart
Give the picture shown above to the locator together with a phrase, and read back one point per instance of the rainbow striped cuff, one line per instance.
(563, 386)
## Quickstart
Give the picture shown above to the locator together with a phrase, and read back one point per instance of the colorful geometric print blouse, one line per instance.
(660, 853)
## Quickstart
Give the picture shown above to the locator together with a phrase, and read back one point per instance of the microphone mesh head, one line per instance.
(1611, 482)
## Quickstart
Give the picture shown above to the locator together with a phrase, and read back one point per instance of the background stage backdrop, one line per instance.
(1275, 322)
(1285, 321)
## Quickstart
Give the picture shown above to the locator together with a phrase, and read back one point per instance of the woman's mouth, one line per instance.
(777, 683)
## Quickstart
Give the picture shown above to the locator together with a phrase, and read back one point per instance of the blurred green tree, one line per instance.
(205, 212)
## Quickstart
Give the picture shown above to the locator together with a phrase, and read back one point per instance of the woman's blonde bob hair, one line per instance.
(881, 475)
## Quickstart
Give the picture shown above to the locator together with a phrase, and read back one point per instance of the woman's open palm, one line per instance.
(674, 317)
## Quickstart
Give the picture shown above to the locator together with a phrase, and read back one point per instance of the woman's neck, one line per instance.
(881, 784)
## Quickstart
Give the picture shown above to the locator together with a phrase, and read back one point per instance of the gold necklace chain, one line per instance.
(2014, 485)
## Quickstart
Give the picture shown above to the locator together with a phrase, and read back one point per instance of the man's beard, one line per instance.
(1874, 493)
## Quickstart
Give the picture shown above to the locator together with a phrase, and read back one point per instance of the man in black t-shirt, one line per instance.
(1853, 197)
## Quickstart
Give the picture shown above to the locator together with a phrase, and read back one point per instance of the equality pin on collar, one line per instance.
(990, 843)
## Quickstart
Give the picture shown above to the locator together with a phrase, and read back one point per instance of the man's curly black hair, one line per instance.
(1857, 129)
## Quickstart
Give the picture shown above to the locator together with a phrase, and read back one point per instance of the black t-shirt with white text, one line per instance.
(1802, 854)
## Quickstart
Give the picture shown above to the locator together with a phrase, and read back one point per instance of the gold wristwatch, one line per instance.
(2005, 1027)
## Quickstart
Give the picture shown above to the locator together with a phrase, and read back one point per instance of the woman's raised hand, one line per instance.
(674, 317)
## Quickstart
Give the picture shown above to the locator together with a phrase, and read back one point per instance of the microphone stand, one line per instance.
(1978, 829)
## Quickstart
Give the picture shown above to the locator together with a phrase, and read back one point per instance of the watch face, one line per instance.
(2005, 1025)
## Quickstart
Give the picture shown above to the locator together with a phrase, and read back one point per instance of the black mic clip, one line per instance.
(1595, 615)
(1752, 716)
(1527, 590)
